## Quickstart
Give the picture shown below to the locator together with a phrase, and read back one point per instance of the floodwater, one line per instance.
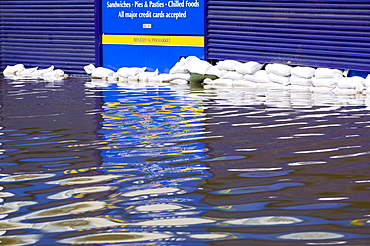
(89, 163)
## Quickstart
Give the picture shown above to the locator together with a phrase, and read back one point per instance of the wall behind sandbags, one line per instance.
(44, 33)
(333, 33)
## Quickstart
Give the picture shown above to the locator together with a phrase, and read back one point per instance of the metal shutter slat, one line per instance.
(44, 33)
(332, 33)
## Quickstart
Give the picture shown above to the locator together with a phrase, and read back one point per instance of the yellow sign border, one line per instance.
(192, 41)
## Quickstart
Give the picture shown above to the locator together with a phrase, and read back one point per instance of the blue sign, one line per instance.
(153, 17)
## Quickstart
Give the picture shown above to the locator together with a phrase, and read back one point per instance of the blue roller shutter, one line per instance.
(48, 32)
(326, 33)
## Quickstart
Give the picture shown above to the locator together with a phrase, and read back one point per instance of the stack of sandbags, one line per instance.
(251, 72)
(225, 73)
(13, 70)
(279, 73)
(326, 78)
(260, 78)
(180, 72)
(301, 76)
(354, 84)
(98, 72)
(128, 73)
(18, 71)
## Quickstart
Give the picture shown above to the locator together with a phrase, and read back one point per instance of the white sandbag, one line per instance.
(324, 73)
(303, 72)
(275, 78)
(258, 77)
(278, 69)
(198, 66)
(233, 75)
(354, 82)
(300, 81)
(324, 82)
(249, 67)
(216, 71)
(56, 74)
(116, 77)
(169, 77)
(12, 70)
(130, 71)
(102, 73)
(367, 82)
(179, 67)
(189, 59)
(229, 65)
(298, 87)
(26, 72)
(273, 85)
(224, 82)
(179, 81)
(89, 68)
(321, 89)
(40, 73)
(143, 76)
(244, 83)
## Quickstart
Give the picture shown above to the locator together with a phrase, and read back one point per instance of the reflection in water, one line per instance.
(76, 224)
(116, 237)
(169, 164)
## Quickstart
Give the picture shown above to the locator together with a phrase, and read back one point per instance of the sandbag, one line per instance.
(101, 72)
(324, 82)
(301, 81)
(56, 74)
(26, 72)
(324, 73)
(244, 83)
(40, 73)
(367, 82)
(89, 68)
(283, 80)
(229, 65)
(12, 70)
(249, 67)
(258, 77)
(216, 71)
(233, 75)
(227, 82)
(126, 72)
(278, 69)
(179, 67)
(198, 66)
(354, 82)
(169, 77)
(303, 72)
(144, 76)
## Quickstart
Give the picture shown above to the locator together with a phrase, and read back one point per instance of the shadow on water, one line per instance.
(92, 163)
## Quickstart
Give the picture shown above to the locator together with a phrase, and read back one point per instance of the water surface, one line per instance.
(91, 163)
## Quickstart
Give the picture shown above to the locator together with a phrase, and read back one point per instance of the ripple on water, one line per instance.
(26, 177)
(84, 179)
(311, 236)
(116, 237)
(253, 189)
(265, 220)
(28, 239)
(78, 191)
(155, 191)
(73, 208)
(76, 224)
(174, 222)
